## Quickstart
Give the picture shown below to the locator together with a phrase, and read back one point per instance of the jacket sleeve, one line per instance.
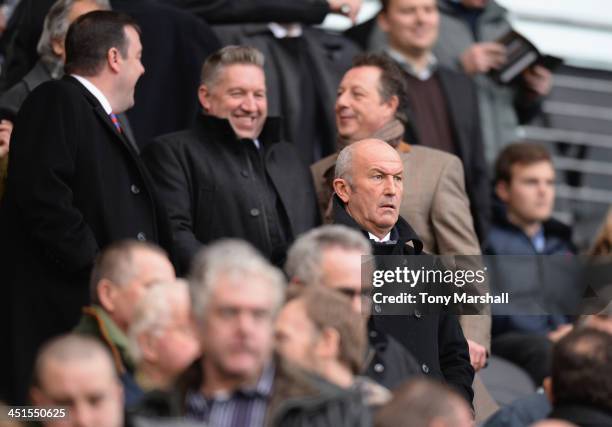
(253, 11)
(451, 218)
(454, 356)
(44, 154)
(173, 187)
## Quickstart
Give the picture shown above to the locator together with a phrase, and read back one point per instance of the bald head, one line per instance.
(369, 182)
(78, 372)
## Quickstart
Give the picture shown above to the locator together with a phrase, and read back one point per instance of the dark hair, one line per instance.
(581, 367)
(91, 36)
(522, 153)
(392, 80)
(115, 263)
(384, 5)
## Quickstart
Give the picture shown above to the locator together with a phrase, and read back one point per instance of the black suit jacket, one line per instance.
(206, 180)
(74, 185)
(435, 339)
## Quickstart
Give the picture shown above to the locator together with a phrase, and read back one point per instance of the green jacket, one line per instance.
(97, 323)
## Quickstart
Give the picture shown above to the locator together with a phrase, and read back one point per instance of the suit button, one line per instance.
(254, 212)
(134, 189)
(373, 334)
(141, 236)
(244, 173)
(417, 314)
(379, 367)
(425, 368)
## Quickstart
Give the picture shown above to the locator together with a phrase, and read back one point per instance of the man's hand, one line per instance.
(6, 128)
(538, 79)
(348, 8)
(560, 332)
(482, 57)
(478, 355)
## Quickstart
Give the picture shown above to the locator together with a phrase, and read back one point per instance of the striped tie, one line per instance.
(115, 121)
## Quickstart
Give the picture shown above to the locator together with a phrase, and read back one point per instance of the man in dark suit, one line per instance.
(443, 102)
(75, 185)
(231, 175)
(368, 187)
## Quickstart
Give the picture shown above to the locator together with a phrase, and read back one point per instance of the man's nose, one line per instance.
(390, 188)
(249, 103)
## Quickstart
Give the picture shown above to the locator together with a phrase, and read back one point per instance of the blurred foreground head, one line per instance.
(78, 373)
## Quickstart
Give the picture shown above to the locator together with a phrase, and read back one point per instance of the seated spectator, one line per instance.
(236, 296)
(121, 275)
(580, 387)
(162, 336)
(369, 187)
(231, 175)
(303, 68)
(468, 33)
(523, 225)
(443, 102)
(319, 331)
(331, 256)
(78, 373)
(424, 403)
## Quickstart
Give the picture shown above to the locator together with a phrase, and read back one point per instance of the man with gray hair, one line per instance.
(231, 175)
(333, 256)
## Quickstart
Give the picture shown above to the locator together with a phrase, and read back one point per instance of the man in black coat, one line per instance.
(231, 175)
(75, 184)
(368, 187)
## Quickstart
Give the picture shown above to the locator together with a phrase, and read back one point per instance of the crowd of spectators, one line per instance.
(194, 193)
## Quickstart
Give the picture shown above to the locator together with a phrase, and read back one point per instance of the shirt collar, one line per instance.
(95, 92)
(376, 239)
(425, 74)
(285, 31)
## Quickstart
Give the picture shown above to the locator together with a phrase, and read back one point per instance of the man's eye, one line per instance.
(377, 177)
(398, 178)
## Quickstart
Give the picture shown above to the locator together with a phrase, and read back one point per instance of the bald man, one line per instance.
(77, 373)
(368, 193)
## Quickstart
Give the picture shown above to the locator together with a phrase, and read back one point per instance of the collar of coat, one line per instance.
(96, 321)
(407, 235)
(222, 130)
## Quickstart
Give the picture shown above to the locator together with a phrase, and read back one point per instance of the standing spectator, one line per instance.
(303, 68)
(442, 101)
(231, 175)
(75, 185)
(368, 187)
(121, 275)
(523, 225)
(162, 336)
(468, 33)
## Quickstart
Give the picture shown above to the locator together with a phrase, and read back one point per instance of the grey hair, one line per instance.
(305, 255)
(229, 55)
(236, 261)
(344, 164)
(154, 312)
(56, 26)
